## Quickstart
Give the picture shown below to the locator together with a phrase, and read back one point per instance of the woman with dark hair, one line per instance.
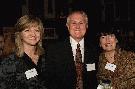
(116, 66)
(20, 70)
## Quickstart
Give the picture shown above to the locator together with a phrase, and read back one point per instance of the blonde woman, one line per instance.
(21, 69)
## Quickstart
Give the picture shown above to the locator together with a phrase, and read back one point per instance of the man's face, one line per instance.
(77, 26)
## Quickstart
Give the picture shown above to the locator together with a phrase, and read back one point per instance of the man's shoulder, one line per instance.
(55, 46)
(91, 46)
(55, 43)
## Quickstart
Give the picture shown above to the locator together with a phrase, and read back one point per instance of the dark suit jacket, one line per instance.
(59, 68)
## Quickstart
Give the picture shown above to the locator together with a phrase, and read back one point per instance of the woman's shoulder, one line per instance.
(9, 57)
(9, 62)
(128, 54)
(8, 65)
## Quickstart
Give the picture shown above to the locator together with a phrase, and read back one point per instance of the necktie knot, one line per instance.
(78, 54)
(78, 45)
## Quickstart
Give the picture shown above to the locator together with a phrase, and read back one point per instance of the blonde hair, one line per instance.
(24, 22)
(79, 12)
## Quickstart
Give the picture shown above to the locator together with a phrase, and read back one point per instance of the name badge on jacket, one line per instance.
(110, 66)
(31, 73)
(91, 67)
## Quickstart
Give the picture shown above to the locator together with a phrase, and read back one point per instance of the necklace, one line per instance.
(109, 57)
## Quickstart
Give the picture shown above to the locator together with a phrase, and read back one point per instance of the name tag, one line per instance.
(31, 73)
(104, 87)
(100, 87)
(91, 67)
(110, 66)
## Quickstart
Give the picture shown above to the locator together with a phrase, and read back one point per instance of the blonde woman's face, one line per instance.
(31, 36)
(108, 42)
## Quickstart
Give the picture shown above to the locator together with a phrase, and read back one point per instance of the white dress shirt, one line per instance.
(74, 47)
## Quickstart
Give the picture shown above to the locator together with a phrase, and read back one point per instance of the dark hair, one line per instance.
(107, 30)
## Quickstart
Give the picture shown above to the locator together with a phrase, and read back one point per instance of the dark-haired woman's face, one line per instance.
(108, 42)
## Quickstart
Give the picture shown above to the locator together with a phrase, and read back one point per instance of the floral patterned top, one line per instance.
(13, 73)
(123, 77)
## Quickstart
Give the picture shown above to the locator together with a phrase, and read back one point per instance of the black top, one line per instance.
(13, 73)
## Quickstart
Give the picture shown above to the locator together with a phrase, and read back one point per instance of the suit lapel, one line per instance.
(68, 50)
(86, 53)
(70, 58)
(69, 53)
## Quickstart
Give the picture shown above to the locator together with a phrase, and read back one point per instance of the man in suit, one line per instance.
(59, 69)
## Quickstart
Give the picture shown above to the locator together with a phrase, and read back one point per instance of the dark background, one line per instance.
(117, 13)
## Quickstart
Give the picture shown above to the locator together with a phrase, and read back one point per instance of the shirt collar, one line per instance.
(74, 43)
